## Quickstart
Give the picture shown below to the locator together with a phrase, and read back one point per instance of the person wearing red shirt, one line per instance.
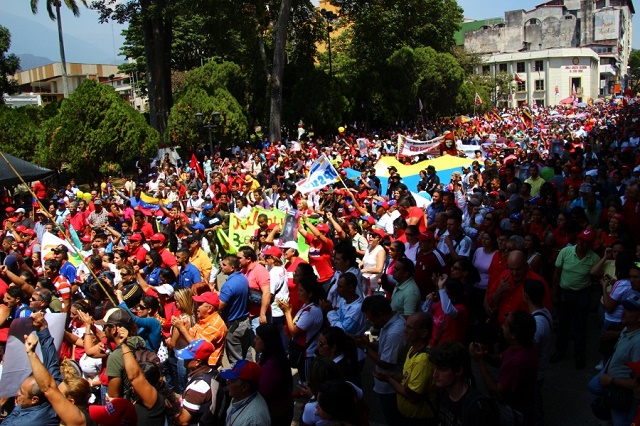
(320, 250)
(140, 224)
(76, 218)
(507, 296)
(412, 214)
(429, 262)
(135, 249)
(40, 190)
(168, 260)
(291, 255)
(259, 286)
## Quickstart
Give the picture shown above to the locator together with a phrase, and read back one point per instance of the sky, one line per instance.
(88, 41)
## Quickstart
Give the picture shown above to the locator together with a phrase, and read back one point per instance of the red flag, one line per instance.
(517, 78)
(195, 165)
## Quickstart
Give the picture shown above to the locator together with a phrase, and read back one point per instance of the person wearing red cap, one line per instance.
(209, 327)
(197, 396)
(571, 287)
(320, 250)
(247, 407)
(158, 241)
(134, 248)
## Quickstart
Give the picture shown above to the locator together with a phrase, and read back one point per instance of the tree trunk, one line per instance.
(157, 29)
(275, 115)
(65, 78)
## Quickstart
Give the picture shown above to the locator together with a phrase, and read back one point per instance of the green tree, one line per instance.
(634, 71)
(53, 8)
(422, 73)
(9, 65)
(94, 130)
(20, 132)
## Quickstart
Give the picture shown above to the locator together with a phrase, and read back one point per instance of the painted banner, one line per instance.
(240, 232)
(50, 241)
(411, 147)
(321, 174)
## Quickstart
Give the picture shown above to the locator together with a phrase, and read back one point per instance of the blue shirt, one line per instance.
(68, 271)
(235, 294)
(189, 275)
(152, 277)
(149, 329)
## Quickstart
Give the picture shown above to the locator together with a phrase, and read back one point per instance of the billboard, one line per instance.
(607, 25)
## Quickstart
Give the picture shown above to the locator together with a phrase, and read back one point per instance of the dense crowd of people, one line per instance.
(500, 267)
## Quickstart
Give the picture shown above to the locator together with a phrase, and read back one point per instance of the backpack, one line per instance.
(503, 413)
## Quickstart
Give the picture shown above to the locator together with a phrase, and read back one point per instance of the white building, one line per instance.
(545, 77)
(604, 26)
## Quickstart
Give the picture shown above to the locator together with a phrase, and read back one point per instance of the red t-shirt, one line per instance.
(294, 299)
(454, 328)
(419, 213)
(78, 221)
(145, 228)
(168, 260)
(512, 299)
(139, 254)
(320, 256)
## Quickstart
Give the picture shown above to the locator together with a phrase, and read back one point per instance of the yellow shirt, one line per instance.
(201, 261)
(417, 375)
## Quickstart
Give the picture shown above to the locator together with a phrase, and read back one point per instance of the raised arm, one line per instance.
(147, 393)
(68, 412)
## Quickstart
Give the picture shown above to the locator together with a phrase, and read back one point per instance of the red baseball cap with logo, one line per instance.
(208, 297)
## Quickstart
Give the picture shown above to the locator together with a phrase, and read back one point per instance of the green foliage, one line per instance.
(425, 74)
(95, 128)
(634, 71)
(20, 134)
(213, 87)
(9, 65)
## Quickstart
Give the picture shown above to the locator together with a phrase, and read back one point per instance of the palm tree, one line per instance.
(55, 16)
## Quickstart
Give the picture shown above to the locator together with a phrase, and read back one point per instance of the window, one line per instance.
(519, 66)
(522, 86)
(486, 70)
(503, 67)
(539, 85)
(539, 66)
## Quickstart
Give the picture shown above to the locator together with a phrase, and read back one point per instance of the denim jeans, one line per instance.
(618, 417)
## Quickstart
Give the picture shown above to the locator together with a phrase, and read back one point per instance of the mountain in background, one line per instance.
(28, 61)
(29, 37)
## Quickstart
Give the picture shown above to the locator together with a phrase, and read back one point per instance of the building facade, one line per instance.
(42, 85)
(603, 26)
(545, 77)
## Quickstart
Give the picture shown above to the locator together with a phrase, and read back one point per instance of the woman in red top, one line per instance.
(320, 250)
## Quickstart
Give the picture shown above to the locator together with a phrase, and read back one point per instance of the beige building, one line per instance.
(545, 77)
(43, 84)
(604, 26)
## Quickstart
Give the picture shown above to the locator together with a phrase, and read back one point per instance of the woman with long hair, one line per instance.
(186, 311)
(305, 327)
(145, 317)
(533, 251)
(151, 272)
(373, 261)
(275, 383)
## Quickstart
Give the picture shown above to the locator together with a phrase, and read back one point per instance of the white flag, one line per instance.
(322, 173)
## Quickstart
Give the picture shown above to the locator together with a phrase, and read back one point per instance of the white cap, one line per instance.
(164, 289)
(20, 210)
(290, 245)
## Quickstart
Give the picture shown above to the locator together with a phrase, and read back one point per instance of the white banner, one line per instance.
(322, 173)
(50, 241)
(410, 147)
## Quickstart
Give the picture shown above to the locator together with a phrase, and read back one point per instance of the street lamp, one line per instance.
(208, 125)
(329, 17)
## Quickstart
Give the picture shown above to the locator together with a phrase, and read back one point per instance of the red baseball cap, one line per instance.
(273, 251)
(118, 411)
(500, 205)
(9, 209)
(135, 237)
(21, 228)
(208, 297)
(587, 236)
(323, 227)
(198, 349)
(243, 369)
(158, 237)
(378, 232)
(426, 236)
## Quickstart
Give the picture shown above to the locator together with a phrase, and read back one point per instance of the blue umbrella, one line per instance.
(582, 105)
